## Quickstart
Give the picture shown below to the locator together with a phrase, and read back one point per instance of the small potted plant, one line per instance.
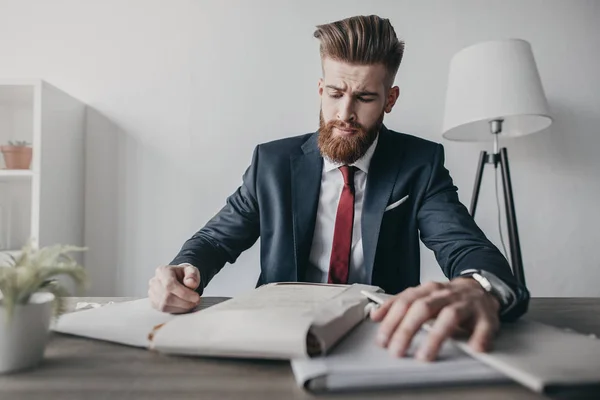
(29, 297)
(17, 154)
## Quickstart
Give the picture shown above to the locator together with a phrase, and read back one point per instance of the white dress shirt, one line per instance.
(332, 183)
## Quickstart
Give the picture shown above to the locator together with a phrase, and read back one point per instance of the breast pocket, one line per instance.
(394, 223)
(396, 204)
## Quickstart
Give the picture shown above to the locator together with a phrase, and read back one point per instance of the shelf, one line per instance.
(16, 173)
(45, 202)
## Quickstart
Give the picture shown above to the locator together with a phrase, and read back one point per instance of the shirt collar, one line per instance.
(362, 163)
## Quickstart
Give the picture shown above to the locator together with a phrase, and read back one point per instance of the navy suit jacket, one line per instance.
(278, 199)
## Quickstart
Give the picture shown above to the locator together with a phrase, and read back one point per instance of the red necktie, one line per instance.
(342, 235)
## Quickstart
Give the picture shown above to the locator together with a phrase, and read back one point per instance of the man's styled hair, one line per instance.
(362, 40)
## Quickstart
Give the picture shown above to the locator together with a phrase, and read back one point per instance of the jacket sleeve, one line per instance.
(447, 228)
(232, 230)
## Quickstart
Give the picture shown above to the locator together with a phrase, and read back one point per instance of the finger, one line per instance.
(191, 277)
(396, 309)
(377, 313)
(171, 300)
(176, 310)
(171, 285)
(447, 322)
(155, 294)
(167, 302)
(421, 311)
(409, 294)
(182, 292)
(483, 334)
(172, 309)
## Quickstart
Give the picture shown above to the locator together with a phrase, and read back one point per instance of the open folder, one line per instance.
(543, 358)
(275, 321)
(359, 363)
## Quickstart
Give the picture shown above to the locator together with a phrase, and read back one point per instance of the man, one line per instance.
(347, 204)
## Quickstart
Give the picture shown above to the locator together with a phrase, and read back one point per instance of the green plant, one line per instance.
(18, 143)
(34, 271)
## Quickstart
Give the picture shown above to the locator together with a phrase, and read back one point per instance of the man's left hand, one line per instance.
(459, 305)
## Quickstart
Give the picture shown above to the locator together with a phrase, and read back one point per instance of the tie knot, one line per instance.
(348, 174)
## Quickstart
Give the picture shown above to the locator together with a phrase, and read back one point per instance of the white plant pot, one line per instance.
(23, 339)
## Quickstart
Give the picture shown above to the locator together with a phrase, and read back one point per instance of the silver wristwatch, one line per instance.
(493, 285)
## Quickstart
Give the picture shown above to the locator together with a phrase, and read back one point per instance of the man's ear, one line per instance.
(321, 87)
(393, 95)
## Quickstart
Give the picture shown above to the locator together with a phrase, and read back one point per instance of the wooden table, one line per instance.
(78, 368)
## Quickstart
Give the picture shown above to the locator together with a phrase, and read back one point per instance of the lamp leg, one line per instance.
(477, 186)
(513, 233)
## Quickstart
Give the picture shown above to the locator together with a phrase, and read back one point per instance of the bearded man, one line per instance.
(348, 204)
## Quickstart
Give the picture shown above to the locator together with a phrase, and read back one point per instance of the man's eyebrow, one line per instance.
(359, 93)
(366, 93)
(334, 88)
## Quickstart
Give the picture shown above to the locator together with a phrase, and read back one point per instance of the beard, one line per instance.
(342, 149)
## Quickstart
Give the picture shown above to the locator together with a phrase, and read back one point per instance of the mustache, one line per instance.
(345, 125)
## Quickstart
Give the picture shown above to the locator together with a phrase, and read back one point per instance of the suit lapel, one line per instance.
(381, 178)
(306, 171)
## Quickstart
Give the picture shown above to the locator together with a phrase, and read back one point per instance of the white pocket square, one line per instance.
(396, 204)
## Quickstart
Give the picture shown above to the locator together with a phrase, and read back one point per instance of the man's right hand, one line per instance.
(172, 288)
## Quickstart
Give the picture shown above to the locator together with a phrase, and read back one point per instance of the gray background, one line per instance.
(180, 92)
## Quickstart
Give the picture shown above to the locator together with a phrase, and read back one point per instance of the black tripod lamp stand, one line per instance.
(494, 90)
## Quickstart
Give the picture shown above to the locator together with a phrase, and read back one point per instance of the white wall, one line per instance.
(181, 91)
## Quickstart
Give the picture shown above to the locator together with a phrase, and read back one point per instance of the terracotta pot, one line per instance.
(23, 339)
(17, 157)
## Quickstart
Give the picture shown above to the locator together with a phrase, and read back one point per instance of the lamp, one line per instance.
(494, 90)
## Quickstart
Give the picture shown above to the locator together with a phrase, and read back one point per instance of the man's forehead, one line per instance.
(357, 77)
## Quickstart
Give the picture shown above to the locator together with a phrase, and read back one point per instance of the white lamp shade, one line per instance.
(490, 81)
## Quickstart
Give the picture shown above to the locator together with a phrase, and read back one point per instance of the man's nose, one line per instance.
(346, 112)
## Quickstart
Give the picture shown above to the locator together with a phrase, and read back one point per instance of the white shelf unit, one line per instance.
(46, 202)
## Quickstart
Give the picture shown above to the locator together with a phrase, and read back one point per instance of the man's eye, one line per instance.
(365, 100)
(335, 95)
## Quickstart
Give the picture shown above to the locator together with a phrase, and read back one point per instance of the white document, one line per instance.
(129, 322)
(276, 321)
(358, 362)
